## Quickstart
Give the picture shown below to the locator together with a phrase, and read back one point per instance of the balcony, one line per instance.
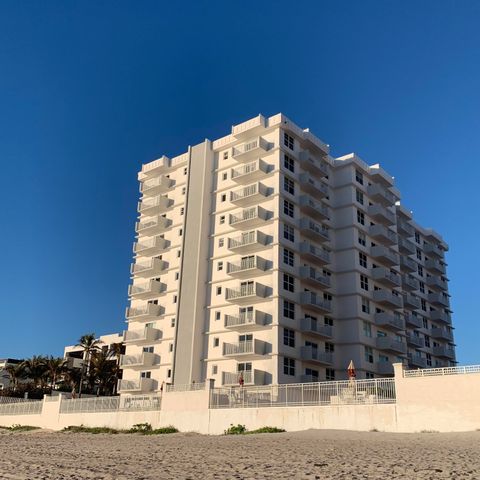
(313, 230)
(247, 242)
(156, 167)
(384, 255)
(314, 187)
(386, 297)
(440, 316)
(381, 195)
(435, 266)
(415, 341)
(384, 368)
(315, 302)
(250, 377)
(154, 205)
(314, 254)
(406, 246)
(152, 225)
(405, 228)
(310, 354)
(390, 345)
(156, 186)
(413, 321)
(247, 267)
(144, 360)
(249, 172)
(410, 283)
(247, 320)
(416, 361)
(248, 293)
(312, 165)
(147, 312)
(407, 264)
(149, 267)
(248, 348)
(313, 208)
(249, 150)
(411, 301)
(433, 251)
(383, 234)
(312, 276)
(249, 195)
(444, 352)
(439, 300)
(151, 246)
(144, 335)
(145, 290)
(248, 218)
(142, 385)
(311, 326)
(441, 334)
(388, 320)
(386, 277)
(437, 283)
(381, 214)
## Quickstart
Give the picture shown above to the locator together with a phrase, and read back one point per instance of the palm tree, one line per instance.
(116, 349)
(54, 367)
(16, 373)
(35, 368)
(71, 377)
(103, 370)
(89, 345)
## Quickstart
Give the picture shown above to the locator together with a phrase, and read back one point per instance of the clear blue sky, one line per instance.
(91, 90)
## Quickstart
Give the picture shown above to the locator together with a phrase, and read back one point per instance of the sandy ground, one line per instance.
(312, 454)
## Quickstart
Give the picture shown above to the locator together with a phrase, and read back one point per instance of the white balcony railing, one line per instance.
(248, 216)
(245, 319)
(248, 241)
(249, 171)
(252, 291)
(147, 334)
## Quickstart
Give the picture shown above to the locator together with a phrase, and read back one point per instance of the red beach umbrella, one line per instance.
(351, 370)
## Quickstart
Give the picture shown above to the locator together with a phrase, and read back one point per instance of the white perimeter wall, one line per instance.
(436, 403)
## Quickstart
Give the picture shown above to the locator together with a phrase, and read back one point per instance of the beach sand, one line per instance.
(314, 454)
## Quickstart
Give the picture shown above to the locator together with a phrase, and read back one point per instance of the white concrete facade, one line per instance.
(260, 256)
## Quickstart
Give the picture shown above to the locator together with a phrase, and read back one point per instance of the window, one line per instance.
(214, 369)
(177, 275)
(224, 175)
(289, 366)
(329, 374)
(329, 347)
(288, 141)
(420, 270)
(363, 282)
(369, 375)
(216, 341)
(312, 373)
(422, 287)
(170, 347)
(180, 232)
(289, 185)
(289, 163)
(223, 197)
(222, 219)
(427, 341)
(362, 238)
(328, 321)
(217, 315)
(425, 323)
(288, 283)
(362, 259)
(419, 254)
(146, 375)
(289, 310)
(184, 189)
(288, 208)
(365, 305)
(367, 329)
(179, 253)
(359, 196)
(175, 298)
(225, 155)
(221, 242)
(172, 322)
(169, 373)
(148, 349)
(289, 337)
(429, 360)
(219, 290)
(360, 217)
(220, 266)
(423, 304)
(288, 232)
(359, 177)
(182, 211)
(417, 238)
(185, 170)
(288, 257)
(368, 354)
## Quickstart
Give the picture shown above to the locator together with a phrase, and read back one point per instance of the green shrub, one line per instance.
(163, 430)
(94, 430)
(141, 428)
(267, 430)
(235, 430)
(20, 428)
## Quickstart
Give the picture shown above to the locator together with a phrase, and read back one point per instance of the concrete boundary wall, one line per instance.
(444, 403)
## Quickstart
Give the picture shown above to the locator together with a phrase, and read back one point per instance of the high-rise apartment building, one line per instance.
(260, 256)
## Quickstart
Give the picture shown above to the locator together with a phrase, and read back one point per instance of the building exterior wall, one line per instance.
(260, 256)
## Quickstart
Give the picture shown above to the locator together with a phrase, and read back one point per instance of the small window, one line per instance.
(329, 374)
(288, 232)
(170, 347)
(362, 259)
(219, 290)
(169, 373)
(359, 196)
(364, 282)
(175, 299)
(224, 175)
(225, 155)
(289, 163)
(214, 369)
(288, 141)
(289, 337)
(289, 366)
(359, 177)
(216, 341)
(360, 217)
(172, 322)
(289, 185)
(182, 211)
(217, 315)
(362, 238)
(367, 329)
(288, 283)
(185, 170)
(184, 190)
(365, 305)
(222, 219)
(180, 232)
(223, 197)
(289, 310)
(368, 354)
(288, 257)
(220, 266)
(177, 275)
(288, 208)
(179, 253)
(221, 242)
